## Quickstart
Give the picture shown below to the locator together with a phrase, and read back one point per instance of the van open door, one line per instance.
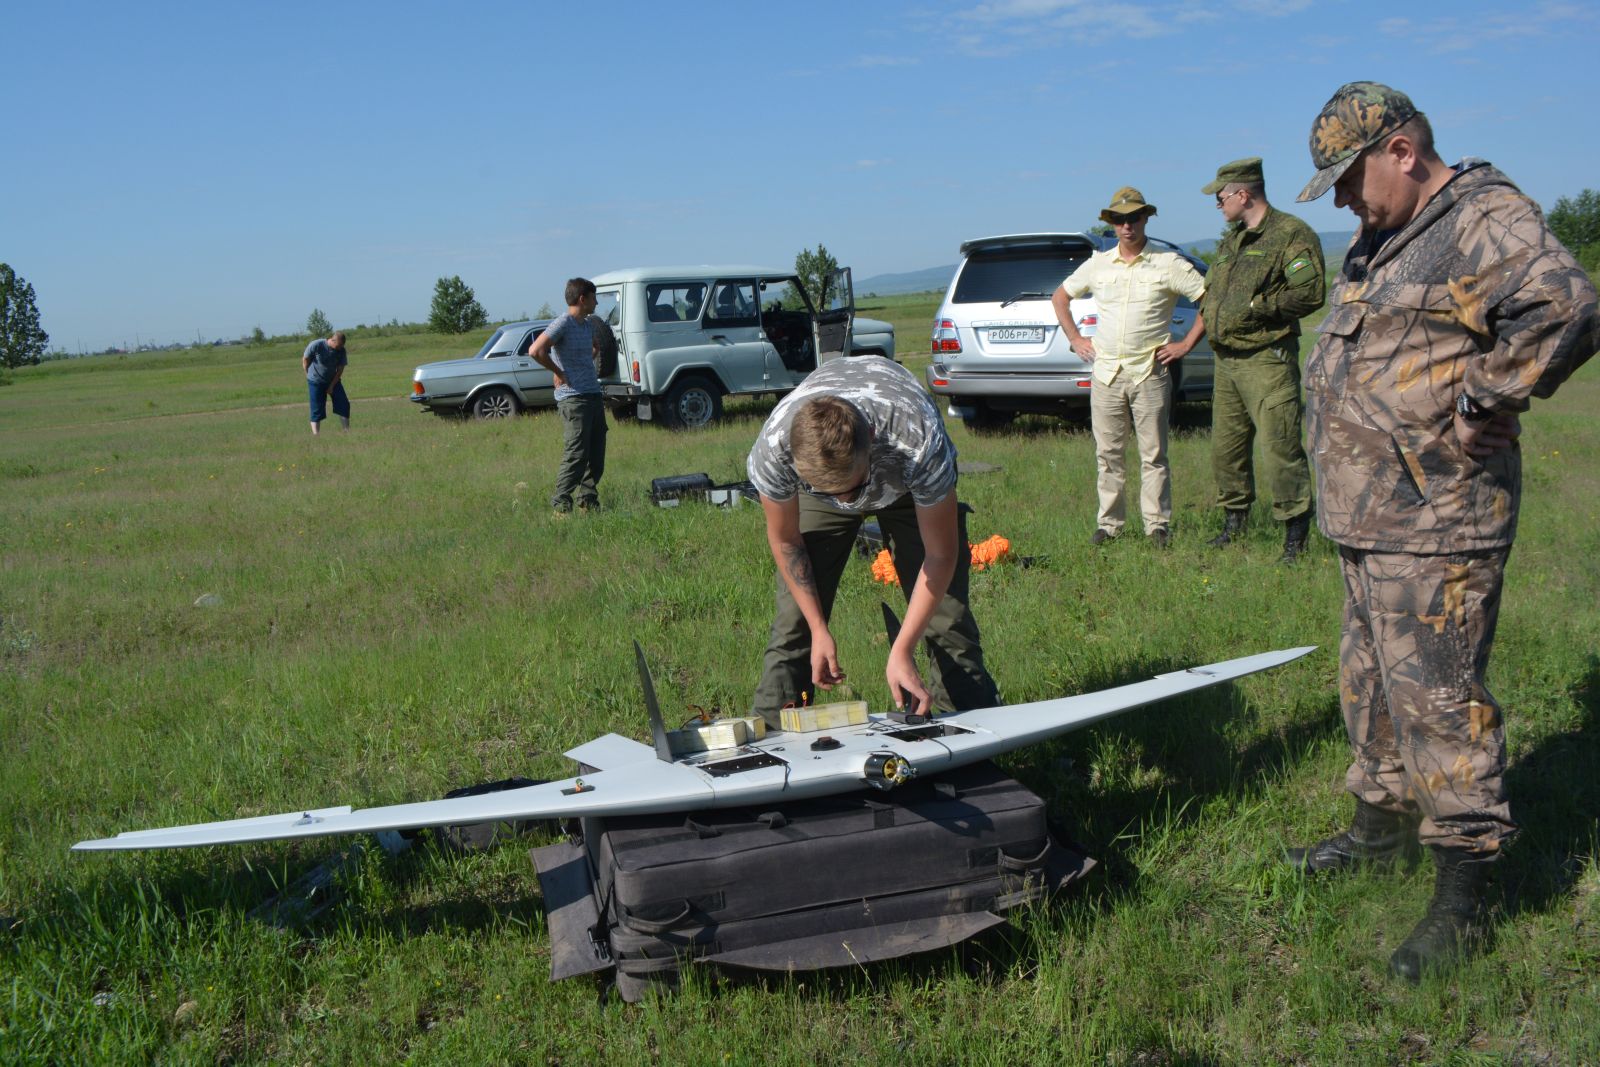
(836, 317)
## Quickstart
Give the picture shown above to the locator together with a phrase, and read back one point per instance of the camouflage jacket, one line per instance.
(1264, 278)
(1472, 295)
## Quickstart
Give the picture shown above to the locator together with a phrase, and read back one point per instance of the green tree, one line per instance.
(1576, 223)
(1576, 220)
(1102, 229)
(455, 309)
(317, 324)
(545, 311)
(815, 270)
(22, 341)
(258, 336)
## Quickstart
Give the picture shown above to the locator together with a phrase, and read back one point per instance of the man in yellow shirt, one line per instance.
(1136, 289)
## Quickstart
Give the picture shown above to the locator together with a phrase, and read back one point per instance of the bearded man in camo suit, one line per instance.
(1454, 308)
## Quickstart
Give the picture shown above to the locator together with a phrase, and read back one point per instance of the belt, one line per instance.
(1225, 352)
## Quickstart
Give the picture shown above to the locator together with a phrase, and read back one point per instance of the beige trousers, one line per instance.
(1115, 410)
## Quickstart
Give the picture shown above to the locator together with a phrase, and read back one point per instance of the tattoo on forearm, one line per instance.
(798, 561)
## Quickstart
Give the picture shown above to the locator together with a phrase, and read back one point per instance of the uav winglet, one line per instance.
(658, 729)
(891, 622)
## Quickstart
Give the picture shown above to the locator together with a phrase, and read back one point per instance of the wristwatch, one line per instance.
(1471, 410)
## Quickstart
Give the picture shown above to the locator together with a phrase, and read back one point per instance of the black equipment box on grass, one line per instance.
(671, 491)
(801, 886)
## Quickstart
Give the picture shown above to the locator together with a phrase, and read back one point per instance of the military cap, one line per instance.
(1357, 117)
(1239, 172)
(1127, 201)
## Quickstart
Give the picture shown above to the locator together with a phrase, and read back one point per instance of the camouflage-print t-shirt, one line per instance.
(910, 453)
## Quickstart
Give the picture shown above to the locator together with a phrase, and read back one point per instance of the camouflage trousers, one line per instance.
(1427, 736)
(1258, 397)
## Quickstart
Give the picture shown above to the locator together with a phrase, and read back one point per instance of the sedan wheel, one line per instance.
(494, 404)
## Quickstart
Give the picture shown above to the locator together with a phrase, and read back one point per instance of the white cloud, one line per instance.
(1001, 28)
(1007, 10)
(1273, 8)
(1445, 34)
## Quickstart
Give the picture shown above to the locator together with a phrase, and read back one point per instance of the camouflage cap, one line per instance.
(1127, 201)
(1240, 172)
(1358, 116)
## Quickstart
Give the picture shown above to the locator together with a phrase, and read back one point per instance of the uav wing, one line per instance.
(632, 779)
(1023, 724)
(634, 789)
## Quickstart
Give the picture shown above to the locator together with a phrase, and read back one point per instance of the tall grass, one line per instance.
(395, 612)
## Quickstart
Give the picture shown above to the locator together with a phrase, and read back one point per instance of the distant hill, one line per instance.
(916, 281)
(1334, 242)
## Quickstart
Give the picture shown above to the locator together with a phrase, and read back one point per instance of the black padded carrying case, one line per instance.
(800, 886)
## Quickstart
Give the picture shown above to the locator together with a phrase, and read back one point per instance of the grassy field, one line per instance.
(393, 612)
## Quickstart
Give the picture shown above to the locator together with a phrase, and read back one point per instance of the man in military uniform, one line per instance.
(1267, 275)
(1454, 308)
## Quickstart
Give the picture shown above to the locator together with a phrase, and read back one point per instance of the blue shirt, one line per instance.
(325, 361)
(572, 349)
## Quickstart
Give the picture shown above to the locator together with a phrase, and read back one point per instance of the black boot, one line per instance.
(1233, 522)
(1295, 532)
(1375, 838)
(1456, 927)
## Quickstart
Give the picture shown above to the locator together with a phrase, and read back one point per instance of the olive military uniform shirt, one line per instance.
(1263, 280)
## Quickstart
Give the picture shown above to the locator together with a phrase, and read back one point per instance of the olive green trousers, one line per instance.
(955, 673)
(1258, 397)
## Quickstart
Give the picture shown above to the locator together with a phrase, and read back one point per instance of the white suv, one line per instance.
(997, 348)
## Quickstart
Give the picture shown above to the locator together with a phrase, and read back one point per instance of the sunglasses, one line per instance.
(844, 496)
(1124, 220)
(1222, 198)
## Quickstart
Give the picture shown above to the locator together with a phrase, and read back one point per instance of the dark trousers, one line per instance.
(956, 676)
(583, 454)
(320, 394)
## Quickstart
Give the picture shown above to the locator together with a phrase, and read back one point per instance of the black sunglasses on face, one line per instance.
(1123, 220)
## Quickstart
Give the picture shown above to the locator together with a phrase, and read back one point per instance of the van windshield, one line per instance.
(1000, 274)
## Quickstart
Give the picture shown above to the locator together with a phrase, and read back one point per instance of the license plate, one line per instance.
(1015, 334)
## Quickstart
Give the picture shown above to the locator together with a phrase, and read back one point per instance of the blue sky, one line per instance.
(173, 171)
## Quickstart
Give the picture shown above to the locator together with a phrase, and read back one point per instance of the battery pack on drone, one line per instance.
(824, 716)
